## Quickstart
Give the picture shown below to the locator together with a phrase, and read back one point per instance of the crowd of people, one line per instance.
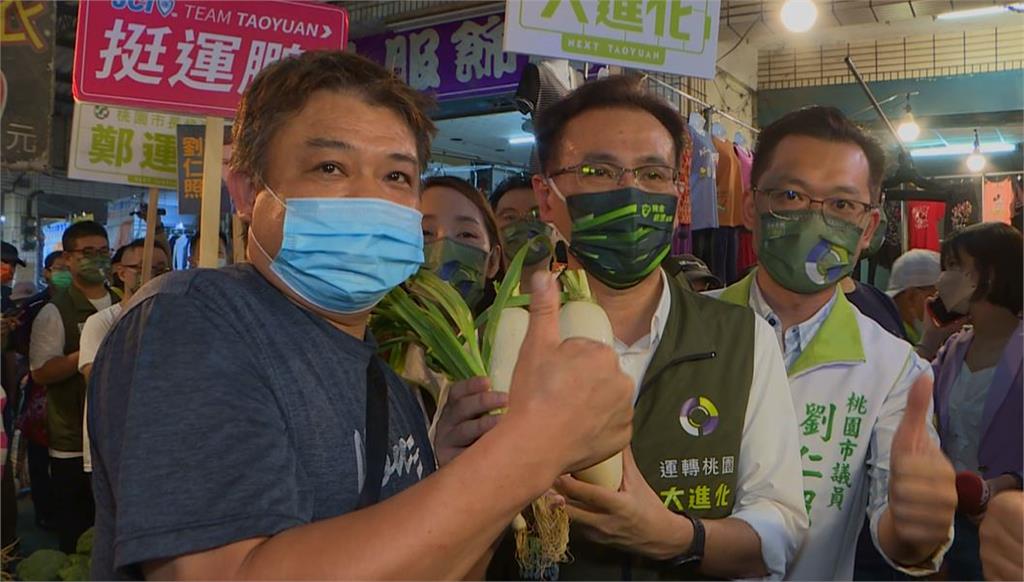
(795, 423)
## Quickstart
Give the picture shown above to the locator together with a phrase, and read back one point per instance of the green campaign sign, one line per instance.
(671, 36)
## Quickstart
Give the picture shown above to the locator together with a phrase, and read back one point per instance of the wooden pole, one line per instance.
(209, 218)
(237, 239)
(151, 220)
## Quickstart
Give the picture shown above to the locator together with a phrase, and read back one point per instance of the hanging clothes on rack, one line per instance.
(729, 184)
(714, 242)
(703, 195)
(746, 257)
(729, 188)
(924, 221)
(682, 243)
(997, 200)
(963, 207)
(746, 158)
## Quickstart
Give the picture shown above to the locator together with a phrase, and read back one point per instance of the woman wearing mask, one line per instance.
(978, 393)
(460, 238)
(460, 245)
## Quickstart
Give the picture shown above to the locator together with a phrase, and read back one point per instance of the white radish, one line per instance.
(584, 318)
(508, 339)
(580, 317)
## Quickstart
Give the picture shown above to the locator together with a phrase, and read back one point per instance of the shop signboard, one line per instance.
(119, 145)
(454, 60)
(670, 36)
(26, 83)
(191, 147)
(192, 56)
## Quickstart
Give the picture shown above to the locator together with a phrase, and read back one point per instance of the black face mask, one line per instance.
(621, 236)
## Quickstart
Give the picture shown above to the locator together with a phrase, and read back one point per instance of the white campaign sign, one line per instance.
(119, 145)
(670, 36)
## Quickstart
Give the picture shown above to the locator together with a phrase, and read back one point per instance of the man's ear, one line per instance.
(749, 209)
(543, 193)
(869, 232)
(243, 193)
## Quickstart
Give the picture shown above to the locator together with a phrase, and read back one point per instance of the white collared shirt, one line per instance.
(792, 341)
(635, 359)
(769, 491)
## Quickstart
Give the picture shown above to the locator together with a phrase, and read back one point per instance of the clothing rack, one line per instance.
(709, 109)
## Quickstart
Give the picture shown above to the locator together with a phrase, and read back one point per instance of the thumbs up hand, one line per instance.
(922, 485)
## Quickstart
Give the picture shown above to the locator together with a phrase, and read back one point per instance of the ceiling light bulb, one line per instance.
(908, 130)
(799, 15)
(976, 162)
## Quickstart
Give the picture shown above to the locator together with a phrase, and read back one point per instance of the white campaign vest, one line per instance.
(839, 402)
(849, 390)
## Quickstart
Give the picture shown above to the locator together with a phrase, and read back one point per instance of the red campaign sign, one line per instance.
(192, 56)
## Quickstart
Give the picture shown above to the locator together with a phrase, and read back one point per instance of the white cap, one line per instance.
(914, 268)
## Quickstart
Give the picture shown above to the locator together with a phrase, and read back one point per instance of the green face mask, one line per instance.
(804, 254)
(61, 279)
(621, 236)
(94, 270)
(459, 264)
(528, 231)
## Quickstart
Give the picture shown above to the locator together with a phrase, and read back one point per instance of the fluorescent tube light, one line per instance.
(521, 139)
(962, 149)
(976, 12)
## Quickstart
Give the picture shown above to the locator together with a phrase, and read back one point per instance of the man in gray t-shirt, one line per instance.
(240, 423)
(218, 351)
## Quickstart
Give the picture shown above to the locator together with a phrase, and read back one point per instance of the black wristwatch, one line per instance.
(695, 553)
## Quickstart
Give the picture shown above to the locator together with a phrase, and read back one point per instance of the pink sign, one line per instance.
(192, 56)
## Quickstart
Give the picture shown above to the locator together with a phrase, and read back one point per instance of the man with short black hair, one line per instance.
(515, 208)
(863, 395)
(53, 359)
(9, 263)
(710, 394)
(242, 425)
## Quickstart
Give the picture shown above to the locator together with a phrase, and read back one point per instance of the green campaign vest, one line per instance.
(687, 428)
(65, 401)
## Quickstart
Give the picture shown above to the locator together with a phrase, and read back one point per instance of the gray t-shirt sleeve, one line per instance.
(193, 444)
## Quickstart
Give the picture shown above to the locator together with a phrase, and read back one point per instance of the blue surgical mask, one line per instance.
(344, 254)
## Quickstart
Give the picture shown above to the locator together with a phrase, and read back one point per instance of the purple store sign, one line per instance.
(454, 60)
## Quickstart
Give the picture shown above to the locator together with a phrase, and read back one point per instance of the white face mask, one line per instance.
(956, 289)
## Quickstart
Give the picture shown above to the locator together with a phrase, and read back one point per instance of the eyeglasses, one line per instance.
(154, 271)
(511, 215)
(600, 176)
(835, 210)
(92, 253)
